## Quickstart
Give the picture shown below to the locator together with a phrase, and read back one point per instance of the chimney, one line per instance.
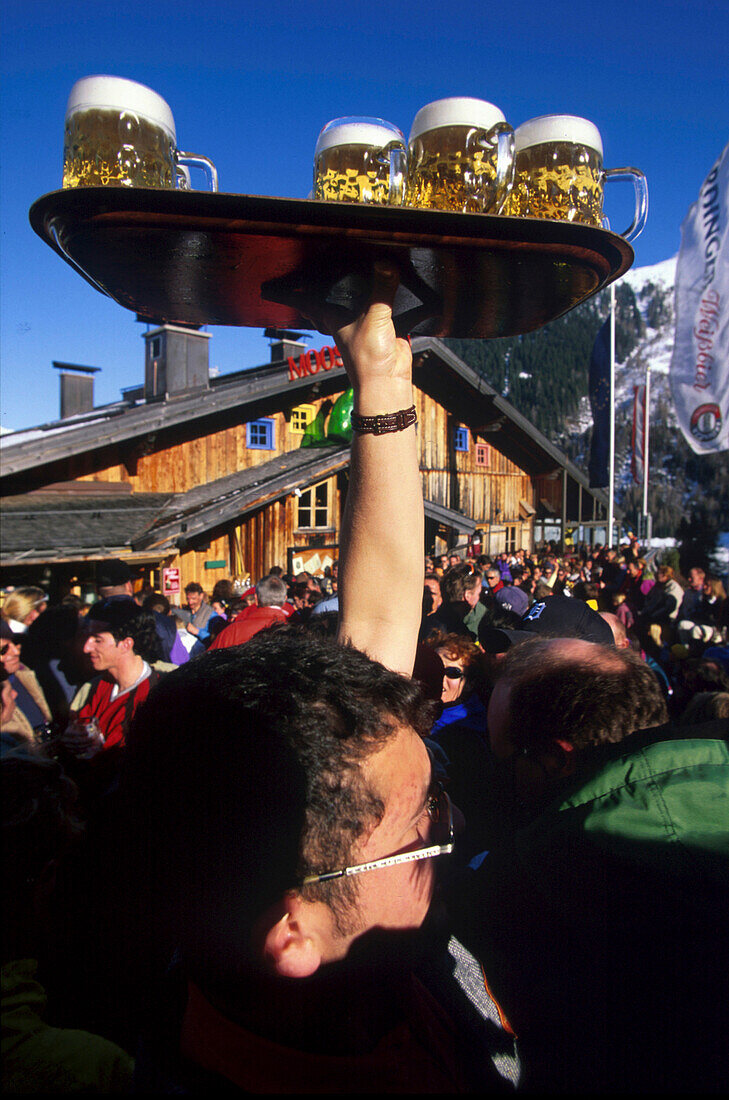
(77, 388)
(284, 343)
(176, 361)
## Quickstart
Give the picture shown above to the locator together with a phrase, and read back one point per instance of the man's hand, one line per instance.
(82, 739)
(371, 351)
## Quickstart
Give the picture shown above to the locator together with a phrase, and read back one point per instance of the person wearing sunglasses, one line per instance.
(29, 720)
(463, 681)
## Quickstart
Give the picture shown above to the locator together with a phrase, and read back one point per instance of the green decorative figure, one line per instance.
(315, 432)
(339, 429)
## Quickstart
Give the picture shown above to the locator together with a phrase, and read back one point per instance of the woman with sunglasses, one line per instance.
(30, 719)
(463, 681)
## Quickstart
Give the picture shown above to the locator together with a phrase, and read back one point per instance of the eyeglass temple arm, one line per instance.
(389, 861)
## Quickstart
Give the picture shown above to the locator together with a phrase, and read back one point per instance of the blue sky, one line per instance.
(252, 84)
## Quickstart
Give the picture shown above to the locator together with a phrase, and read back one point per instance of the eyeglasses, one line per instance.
(453, 672)
(440, 812)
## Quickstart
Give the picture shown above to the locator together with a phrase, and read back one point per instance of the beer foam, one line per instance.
(456, 111)
(374, 132)
(115, 92)
(571, 128)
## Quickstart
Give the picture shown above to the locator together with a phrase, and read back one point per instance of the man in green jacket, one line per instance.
(601, 922)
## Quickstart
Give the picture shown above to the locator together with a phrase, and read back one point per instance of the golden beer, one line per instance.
(122, 134)
(560, 181)
(453, 157)
(558, 172)
(105, 147)
(360, 160)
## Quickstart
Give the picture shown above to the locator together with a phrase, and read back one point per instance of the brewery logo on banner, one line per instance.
(637, 461)
(700, 363)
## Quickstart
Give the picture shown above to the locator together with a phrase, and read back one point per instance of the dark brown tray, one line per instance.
(201, 258)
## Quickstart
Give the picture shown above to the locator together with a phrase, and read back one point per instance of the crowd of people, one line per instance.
(453, 825)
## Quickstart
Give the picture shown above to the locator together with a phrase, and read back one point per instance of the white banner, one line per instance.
(700, 363)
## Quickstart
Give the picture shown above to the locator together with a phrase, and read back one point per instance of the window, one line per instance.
(510, 539)
(460, 439)
(259, 435)
(483, 454)
(301, 416)
(313, 508)
(156, 347)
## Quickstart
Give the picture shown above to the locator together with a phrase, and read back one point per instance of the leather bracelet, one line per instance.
(385, 422)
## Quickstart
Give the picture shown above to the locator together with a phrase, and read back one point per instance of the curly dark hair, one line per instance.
(244, 765)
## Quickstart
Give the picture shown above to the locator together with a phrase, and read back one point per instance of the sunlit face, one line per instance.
(397, 897)
(102, 648)
(194, 601)
(493, 577)
(10, 656)
(471, 595)
(452, 684)
(8, 695)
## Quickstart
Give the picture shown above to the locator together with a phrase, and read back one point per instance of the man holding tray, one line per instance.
(297, 821)
(292, 827)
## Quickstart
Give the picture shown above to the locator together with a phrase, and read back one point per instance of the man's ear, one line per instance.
(559, 759)
(291, 943)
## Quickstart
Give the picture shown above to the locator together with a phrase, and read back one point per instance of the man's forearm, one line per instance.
(380, 592)
(381, 550)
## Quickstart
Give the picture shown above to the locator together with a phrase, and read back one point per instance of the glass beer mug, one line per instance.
(460, 157)
(360, 159)
(559, 174)
(122, 134)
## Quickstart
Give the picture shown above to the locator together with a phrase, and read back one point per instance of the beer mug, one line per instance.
(122, 134)
(360, 160)
(559, 174)
(460, 157)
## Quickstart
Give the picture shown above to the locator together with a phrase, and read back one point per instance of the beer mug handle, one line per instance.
(640, 183)
(395, 156)
(199, 162)
(503, 135)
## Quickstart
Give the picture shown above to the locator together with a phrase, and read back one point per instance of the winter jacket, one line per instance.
(662, 603)
(608, 907)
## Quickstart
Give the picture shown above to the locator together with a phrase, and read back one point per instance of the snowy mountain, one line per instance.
(545, 375)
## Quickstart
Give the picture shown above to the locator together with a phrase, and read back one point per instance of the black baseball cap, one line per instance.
(556, 617)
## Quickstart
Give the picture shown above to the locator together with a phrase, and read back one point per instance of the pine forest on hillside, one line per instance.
(544, 374)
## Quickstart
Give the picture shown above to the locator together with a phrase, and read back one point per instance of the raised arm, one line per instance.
(381, 551)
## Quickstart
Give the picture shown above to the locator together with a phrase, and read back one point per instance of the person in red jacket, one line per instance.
(267, 610)
(121, 645)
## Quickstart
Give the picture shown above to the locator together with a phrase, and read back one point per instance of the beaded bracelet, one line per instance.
(385, 422)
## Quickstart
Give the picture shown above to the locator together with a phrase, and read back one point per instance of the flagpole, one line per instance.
(611, 471)
(646, 447)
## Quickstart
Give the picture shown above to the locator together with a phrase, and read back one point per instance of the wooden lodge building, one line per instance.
(206, 476)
